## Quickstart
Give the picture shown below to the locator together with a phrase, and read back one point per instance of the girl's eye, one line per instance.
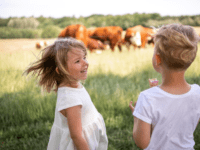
(77, 61)
(84, 58)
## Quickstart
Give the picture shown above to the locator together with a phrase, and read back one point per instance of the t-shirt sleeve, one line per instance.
(143, 109)
(67, 101)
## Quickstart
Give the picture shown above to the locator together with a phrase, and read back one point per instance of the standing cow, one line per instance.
(77, 31)
(138, 36)
(110, 34)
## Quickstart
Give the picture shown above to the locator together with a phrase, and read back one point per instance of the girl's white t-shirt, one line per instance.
(93, 126)
(174, 118)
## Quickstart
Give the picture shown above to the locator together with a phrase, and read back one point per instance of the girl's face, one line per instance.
(77, 64)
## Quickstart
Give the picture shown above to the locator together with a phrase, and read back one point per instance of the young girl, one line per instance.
(165, 116)
(77, 123)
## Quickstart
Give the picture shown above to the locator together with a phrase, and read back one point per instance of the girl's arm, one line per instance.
(73, 115)
(141, 133)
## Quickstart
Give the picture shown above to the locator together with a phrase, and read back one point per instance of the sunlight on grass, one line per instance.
(119, 63)
(114, 79)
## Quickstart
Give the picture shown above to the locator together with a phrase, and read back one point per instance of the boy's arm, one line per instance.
(73, 115)
(141, 133)
(142, 130)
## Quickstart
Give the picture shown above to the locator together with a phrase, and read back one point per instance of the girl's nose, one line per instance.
(86, 62)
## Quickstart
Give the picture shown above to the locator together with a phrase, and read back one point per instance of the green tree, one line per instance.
(188, 21)
(158, 23)
(50, 32)
(23, 23)
(46, 22)
(4, 22)
(197, 21)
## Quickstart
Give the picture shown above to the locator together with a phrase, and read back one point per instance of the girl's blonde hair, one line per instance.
(54, 56)
(177, 45)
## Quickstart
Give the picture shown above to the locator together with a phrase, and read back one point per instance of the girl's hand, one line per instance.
(131, 106)
(153, 82)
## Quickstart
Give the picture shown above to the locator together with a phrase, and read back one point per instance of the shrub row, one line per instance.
(12, 33)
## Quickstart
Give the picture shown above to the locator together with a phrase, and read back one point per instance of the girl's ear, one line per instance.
(158, 59)
(57, 70)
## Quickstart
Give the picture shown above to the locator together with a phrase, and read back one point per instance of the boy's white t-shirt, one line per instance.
(174, 118)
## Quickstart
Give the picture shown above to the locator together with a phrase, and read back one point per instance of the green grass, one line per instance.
(114, 80)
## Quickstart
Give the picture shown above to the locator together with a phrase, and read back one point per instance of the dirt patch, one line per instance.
(13, 45)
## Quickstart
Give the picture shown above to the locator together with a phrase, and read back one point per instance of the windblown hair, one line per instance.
(177, 45)
(54, 56)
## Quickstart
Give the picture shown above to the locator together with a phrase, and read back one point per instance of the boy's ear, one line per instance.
(158, 59)
(57, 70)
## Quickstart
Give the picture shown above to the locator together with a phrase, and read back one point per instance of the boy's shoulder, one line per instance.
(196, 85)
(156, 90)
(152, 90)
(196, 88)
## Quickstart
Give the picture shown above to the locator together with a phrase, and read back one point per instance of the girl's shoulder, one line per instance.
(66, 89)
(70, 93)
(69, 97)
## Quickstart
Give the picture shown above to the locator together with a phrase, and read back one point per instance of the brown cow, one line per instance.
(110, 33)
(150, 40)
(77, 31)
(138, 36)
(95, 44)
(91, 31)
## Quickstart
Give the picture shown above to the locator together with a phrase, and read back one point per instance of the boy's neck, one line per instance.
(174, 82)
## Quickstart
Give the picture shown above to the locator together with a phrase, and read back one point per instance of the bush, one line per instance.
(11, 33)
(31, 33)
(50, 32)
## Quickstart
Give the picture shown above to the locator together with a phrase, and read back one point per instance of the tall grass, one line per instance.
(114, 80)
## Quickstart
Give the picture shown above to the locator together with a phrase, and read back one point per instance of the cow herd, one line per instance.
(110, 36)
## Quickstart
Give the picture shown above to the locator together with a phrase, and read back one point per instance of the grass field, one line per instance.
(114, 80)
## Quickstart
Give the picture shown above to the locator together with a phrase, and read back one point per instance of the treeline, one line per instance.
(42, 27)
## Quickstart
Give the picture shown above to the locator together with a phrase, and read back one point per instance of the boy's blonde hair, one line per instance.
(177, 45)
(54, 56)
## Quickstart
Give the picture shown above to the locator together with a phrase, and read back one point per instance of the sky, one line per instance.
(77, 8)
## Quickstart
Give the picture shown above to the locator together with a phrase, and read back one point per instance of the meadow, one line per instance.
(114, 79)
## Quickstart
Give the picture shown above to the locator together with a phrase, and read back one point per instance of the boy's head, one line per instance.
(177, 46)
